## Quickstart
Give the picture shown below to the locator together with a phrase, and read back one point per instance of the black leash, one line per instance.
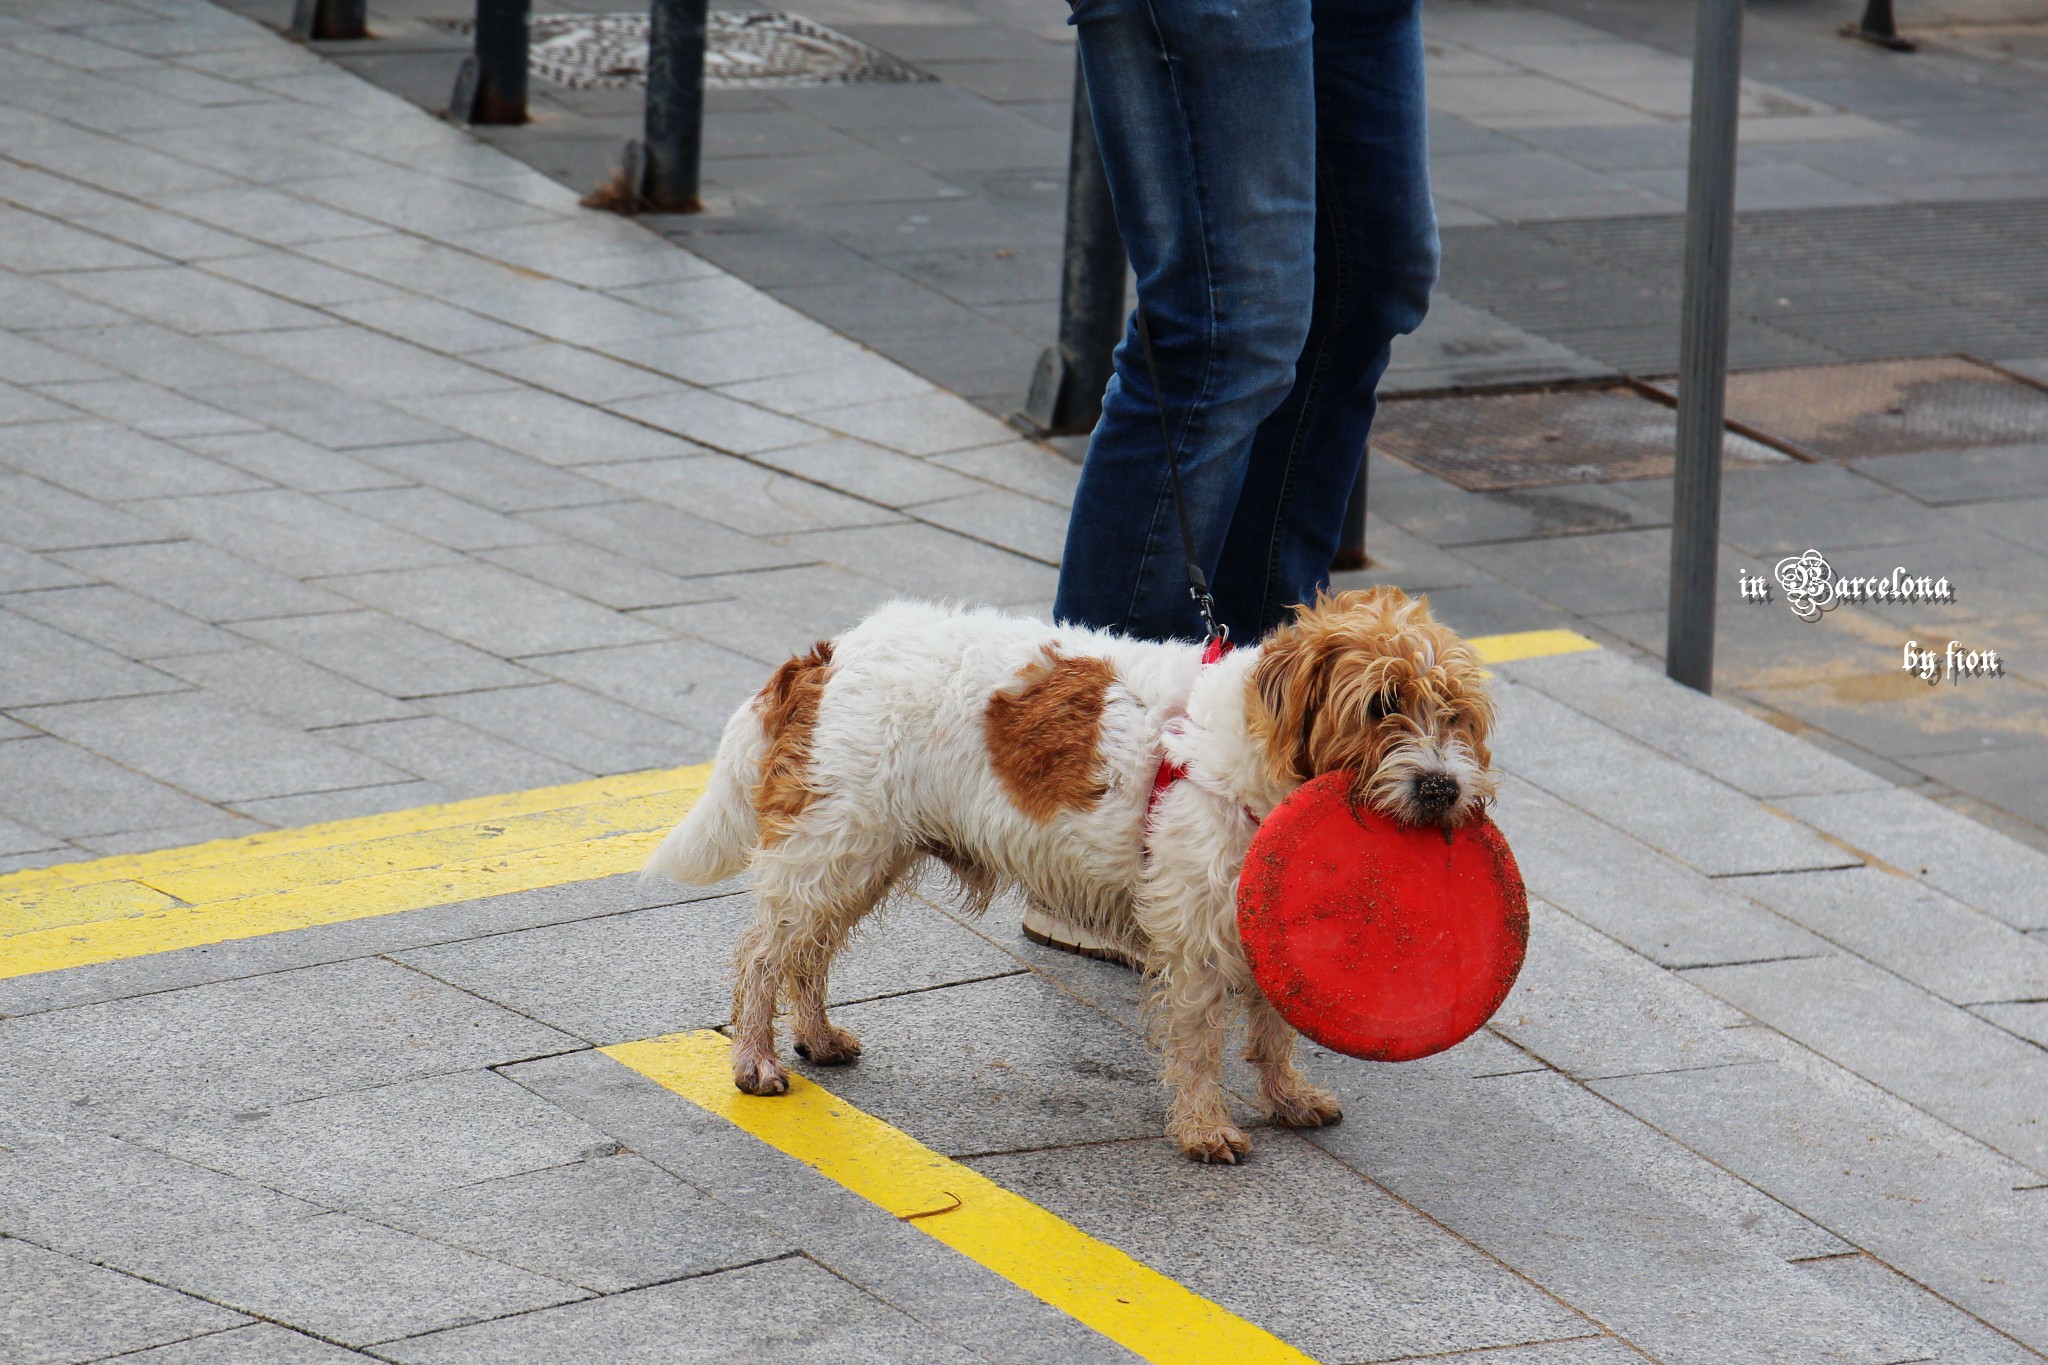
(1198, 582)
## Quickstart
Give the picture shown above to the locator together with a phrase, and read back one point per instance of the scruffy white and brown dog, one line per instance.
(1018, 753)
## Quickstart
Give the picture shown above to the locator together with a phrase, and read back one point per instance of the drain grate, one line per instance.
(1529, 440)
(1889, 407)
(743, 51)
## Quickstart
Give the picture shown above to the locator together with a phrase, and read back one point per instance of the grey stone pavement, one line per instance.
(351, 467)
(1892, 207)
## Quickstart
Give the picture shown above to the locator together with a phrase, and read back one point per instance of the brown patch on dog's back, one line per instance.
(1044, 739)
(788, 708)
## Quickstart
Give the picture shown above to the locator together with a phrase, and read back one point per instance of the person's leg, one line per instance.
(1375, 260)
(1205, 113)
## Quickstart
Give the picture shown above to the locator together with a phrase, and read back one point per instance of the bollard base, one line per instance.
(473, 100)
(1891, 42)
(1061, 402)
(329, 21)
(642, 174)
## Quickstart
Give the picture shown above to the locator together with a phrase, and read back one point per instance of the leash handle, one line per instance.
(1198, 582)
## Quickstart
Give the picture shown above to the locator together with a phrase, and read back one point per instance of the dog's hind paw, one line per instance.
(1307, 1107)
(832, 1047)
(761, 1076)
(1216, 1146)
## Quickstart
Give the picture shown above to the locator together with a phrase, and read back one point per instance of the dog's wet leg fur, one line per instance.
(1289, 1098)
(1192, 1015)
(817, 1038)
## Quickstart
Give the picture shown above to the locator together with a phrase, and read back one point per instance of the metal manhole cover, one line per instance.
(742, 51)
(1528, 440)
(1889, 407)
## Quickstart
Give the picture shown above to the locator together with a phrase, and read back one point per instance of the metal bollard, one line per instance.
(1703, 344)
(1876, 26)
(663, 167)
(491, 86)
(1066, 388)
(324, 20)
(1351, 546)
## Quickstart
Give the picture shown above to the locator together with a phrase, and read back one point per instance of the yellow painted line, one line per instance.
(1529, 644)
(1036, 1250)
(128, 906)
(131, 906)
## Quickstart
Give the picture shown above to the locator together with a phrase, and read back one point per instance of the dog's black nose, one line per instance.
(1435, 793)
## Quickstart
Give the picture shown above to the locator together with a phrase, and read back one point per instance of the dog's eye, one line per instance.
(1382, 705)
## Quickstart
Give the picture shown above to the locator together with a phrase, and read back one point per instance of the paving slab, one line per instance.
(492, 610)
(60, 1310)
(260, 1343)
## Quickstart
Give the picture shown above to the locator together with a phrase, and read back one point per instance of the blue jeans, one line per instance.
(1268, 161)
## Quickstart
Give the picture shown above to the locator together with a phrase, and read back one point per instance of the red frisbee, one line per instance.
(1376, 939)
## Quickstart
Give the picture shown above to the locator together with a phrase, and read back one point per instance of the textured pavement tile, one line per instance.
(391, 656)
(610, 1224)
(1592, 1008)
(871, 472)
(574, 372)
(76, 793)
(1712, 736)
(359, 361)
(623, 977)
(435, 325)
(1635, 895)
(1558, 1207)
(168, 358)
(34, 245)
(2029, 1020)
(205, 746)
(441, 518)
(132, 626)
(547, 427)
(288, 688)
(787, 1310)
(237, 1046)
(495, 611)
(16, 838)
(108, 462)
(721, 423)
(392, 1143)
(858, 378)
(488, 476)
(844, 1232)
(298, 279)
(731, 354)
(1013, 521)
(930, 563)
(1903, 1186)
(740, 494)
(1364, 1278)
(1574, 1351)
(286, 460)
(18, 406)
(1931, 1054)
(41, 516)
(608, 579)
(92, 1195)
(578, 727)
(261, 1343)
(1905, 926)
(686, 681)
(453, 756)
(670, 540)
(39, 665)
(58, 1310)
(320, 414)
(295, 533)
(347, 1280)
(318, 807)
(1667, 805)
(147, 408)
(1942, 1330)
(27, 361)
(1975, 865)
(1954, 476)
(999, 1065)
(565, 312)
(191, 302)
(418, 203)
(927, 424)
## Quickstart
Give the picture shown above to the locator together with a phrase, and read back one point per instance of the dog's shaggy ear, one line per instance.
(1330, 685)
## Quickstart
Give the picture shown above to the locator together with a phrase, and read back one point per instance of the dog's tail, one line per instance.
(716, 839)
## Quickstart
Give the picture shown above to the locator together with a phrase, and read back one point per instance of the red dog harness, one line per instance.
(1171, 772)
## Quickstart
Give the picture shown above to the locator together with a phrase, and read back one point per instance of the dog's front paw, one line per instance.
(832, 1047)
(1217, 1146)
(760, 1076)
(1304, 1106)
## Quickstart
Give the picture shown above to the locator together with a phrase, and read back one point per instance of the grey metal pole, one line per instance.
(490, 88)
(330, 19)
(1703, 344)
(664, 166)
(1066, 389)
